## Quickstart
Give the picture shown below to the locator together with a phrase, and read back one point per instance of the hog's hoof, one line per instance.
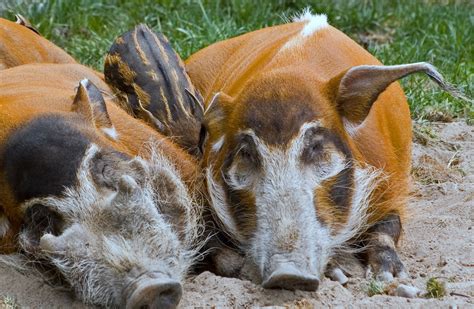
(337, 274)
(289, 278)
(385, 264)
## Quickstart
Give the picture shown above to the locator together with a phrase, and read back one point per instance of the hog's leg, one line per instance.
(381, 253)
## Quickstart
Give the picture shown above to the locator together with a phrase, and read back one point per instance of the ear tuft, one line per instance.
(217, 108)
(21, 20)
(90, 103)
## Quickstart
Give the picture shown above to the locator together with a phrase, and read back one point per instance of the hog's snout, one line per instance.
(289, 275)
(154, 293)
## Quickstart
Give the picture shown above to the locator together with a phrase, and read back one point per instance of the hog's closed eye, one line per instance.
(313, 150)
(245, 153)
(316, 146)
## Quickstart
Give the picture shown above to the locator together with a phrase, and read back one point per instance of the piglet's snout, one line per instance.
(285, 273)
(153, 293)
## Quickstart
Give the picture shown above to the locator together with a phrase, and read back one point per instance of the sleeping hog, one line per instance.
(307, 152)
(77, 201)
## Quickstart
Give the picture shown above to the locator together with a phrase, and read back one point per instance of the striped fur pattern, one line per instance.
(150, 79)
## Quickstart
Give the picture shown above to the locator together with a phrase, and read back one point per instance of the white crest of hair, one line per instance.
(314, 22)
(220, 207)
(4, 225)
(111, 132)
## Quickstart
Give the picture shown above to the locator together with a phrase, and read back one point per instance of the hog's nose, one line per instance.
(154, 294)
(287, 276)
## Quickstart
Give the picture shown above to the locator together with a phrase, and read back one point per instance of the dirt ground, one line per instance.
(438, 242)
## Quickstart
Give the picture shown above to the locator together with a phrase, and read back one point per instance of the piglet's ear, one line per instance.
(90, 103)
(360, 86)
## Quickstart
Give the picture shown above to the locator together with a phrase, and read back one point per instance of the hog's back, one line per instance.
(20, 45)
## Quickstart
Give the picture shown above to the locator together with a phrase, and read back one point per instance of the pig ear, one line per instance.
(360, 86)
(90, 103)
(25, 22)
(217, 112)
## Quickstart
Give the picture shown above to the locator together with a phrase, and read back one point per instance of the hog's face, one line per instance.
(118, 236)
(283, 184)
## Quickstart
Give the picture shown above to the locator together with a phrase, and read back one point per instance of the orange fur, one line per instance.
(29, 91)
(20, 45)
(256, 68)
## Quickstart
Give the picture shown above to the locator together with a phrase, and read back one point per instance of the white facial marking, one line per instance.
(111, 132)
(106, 236)
(288, 229)
(220, 206)
(4, 225)
(365, 182)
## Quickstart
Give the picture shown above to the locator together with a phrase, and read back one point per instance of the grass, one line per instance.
(435, 288)
(375, 288)
(396, 32)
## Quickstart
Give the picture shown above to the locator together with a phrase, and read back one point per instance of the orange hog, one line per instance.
(307, 150)
(93, 195)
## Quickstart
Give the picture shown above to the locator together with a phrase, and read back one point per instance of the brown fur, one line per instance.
(274, 90)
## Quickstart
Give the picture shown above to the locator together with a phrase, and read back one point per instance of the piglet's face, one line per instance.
(116, 238)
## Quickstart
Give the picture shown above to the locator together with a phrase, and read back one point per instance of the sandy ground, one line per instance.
(438, 242)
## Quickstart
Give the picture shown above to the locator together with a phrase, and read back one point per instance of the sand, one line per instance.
(438, 241)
